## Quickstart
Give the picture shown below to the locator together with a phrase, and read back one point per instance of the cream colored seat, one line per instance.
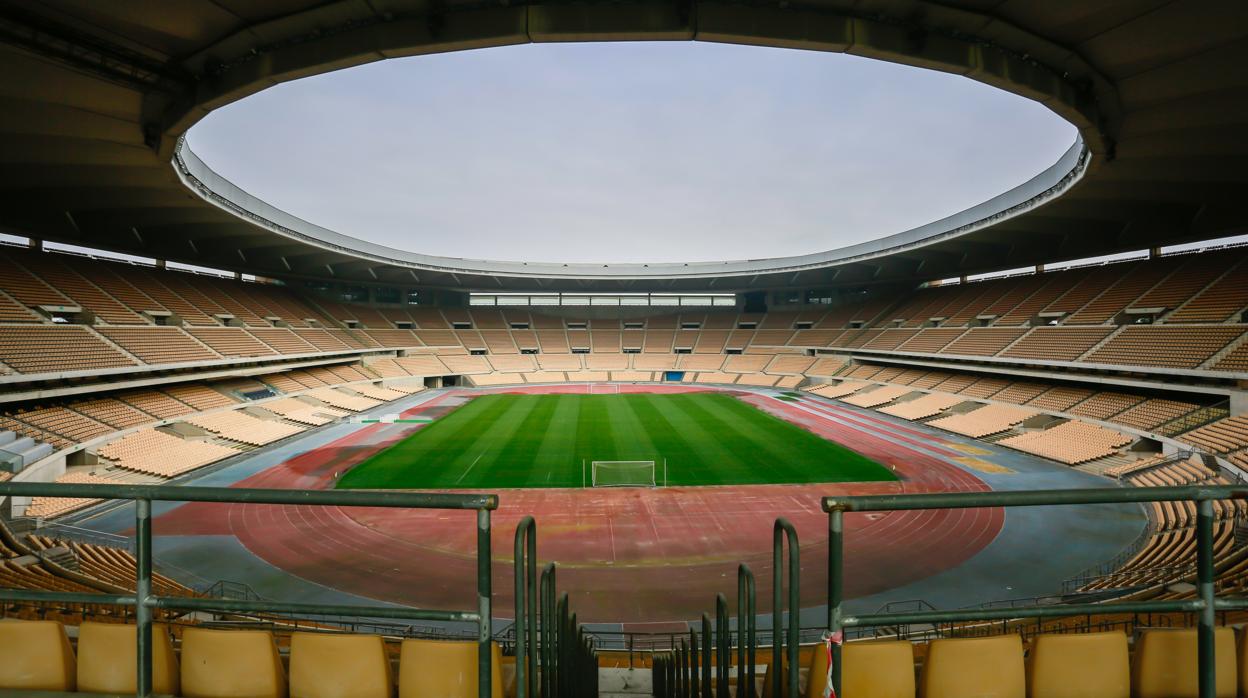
(1089, 665)
(987, 667)
(445, 669)
(231, 664)
(339, 666)
(35, 655)
(1164, 664)
(883, 669)
(107, 659)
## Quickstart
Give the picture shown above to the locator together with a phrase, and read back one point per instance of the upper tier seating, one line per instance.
(159, 345)
(231, 341)
(56, 348)
(1178, 347)
(1057, 343)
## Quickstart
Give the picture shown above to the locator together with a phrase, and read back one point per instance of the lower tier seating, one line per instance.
(1158, 663)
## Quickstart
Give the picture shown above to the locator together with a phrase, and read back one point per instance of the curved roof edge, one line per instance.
(1046, 186)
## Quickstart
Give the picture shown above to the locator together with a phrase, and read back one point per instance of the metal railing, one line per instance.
(702, 669)
(145, 602)
(1206, 604)
(552, 648)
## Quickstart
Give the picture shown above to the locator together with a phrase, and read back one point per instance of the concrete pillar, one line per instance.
(1239, 402)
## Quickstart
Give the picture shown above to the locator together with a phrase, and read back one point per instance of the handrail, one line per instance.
(526, 608)
(145, 602)
(747, 638)
(1206, 604)
(781, 531)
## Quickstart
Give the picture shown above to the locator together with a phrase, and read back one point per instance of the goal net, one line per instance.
(622, 473)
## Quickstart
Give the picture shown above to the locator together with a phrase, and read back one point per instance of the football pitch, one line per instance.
(517, 441)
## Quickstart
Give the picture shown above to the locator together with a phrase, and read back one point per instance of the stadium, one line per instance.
(1002, 453)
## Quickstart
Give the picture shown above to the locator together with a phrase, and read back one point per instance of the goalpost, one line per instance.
(625, 473)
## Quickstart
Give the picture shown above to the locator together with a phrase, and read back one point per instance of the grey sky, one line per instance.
(628, 152)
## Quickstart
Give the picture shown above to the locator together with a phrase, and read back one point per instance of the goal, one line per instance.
(622, 473)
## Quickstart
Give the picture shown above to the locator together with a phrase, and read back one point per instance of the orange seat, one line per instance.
(1087, 665)
(445, 669)
(36, 656)
(339, 666)
(107, 659)
(231, 664)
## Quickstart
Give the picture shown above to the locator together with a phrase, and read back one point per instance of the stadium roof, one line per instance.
(96, 97)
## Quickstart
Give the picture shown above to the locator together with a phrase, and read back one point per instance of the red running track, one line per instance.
(635, 556)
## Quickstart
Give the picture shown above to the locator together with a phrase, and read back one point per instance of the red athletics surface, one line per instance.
(634, 556)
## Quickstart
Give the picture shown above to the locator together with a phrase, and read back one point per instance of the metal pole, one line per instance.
(142, 593)
(708, 644)
(693, 664)
(547, 649)
(1204, 575)
(723, 646)
(484, 625)
(680, 669)
(836, 587)
(526, 610)
(747, 631)
(782, 530)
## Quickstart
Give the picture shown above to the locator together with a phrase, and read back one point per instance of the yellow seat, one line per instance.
(1090, 665)
(1242, 648)
(980, 667)
(343, 666)
(35, 655)
(445, 669)
(107, 659)
(883, 669)
(1164, 665)
(231, 664)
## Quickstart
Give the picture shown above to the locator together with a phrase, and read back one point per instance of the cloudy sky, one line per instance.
(628, 152)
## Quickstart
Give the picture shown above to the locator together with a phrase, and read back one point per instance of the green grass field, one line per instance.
(512, 441)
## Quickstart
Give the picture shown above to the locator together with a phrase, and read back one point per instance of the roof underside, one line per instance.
(96, 96)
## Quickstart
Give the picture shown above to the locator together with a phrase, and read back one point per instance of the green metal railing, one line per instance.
(552, 649)
(688, 670)
(1206, 604)
(144, 602)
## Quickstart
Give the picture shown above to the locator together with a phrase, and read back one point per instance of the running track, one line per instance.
(635, 556)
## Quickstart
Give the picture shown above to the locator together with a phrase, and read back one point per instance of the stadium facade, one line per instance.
(1126, 380)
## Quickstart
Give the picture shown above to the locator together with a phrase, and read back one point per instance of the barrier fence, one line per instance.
(1206, 604)
(554, 652)
(145, 602)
